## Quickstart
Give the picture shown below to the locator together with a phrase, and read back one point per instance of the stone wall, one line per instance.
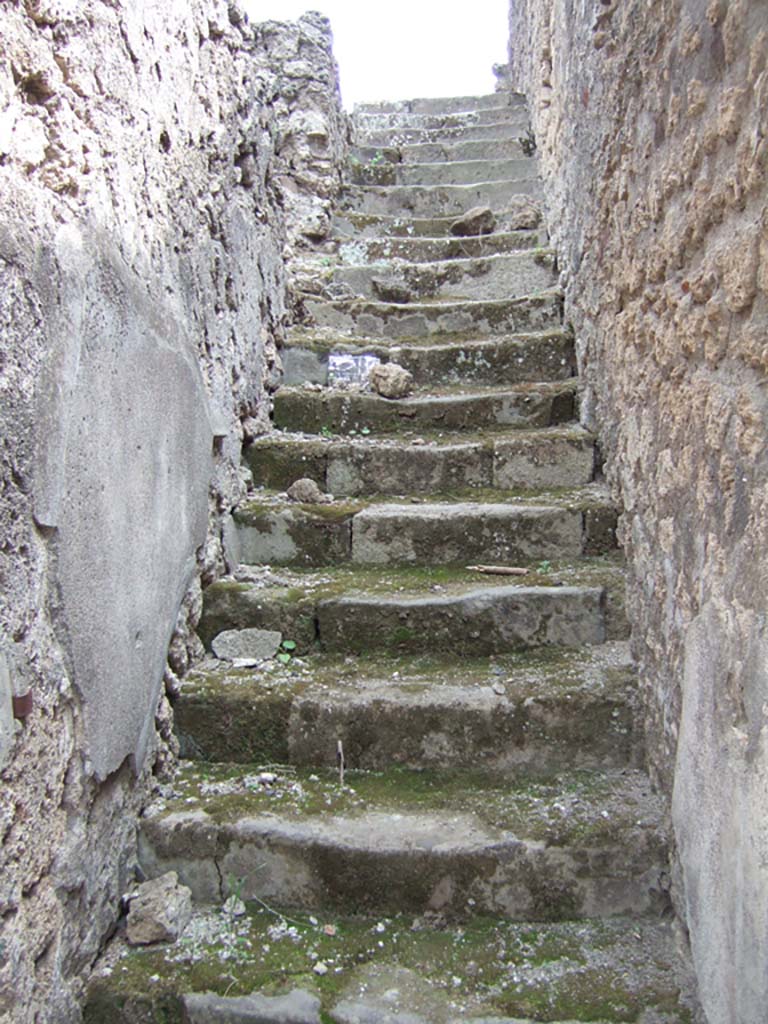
(652, 127)
(156, 158)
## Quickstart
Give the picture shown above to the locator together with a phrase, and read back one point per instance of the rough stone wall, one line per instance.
(652, 126)
(156, 157)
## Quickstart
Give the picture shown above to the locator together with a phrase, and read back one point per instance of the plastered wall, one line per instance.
(159, 159)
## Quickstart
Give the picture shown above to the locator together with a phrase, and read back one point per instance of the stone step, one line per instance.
(443, 104)
(274, 531)
(504, 276)
(399, 970)
(430, 250)
(407, 610)
(522, 715)
(344, 411)
(435, 152)
(402, 120)
(391, 137)
(523, 213)
(368, 319)
(464, 172)
(461, 842)
(437, 200)
(548, 356)
(533, 459)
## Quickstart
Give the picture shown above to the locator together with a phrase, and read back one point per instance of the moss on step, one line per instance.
(589, 808)
(580, 971)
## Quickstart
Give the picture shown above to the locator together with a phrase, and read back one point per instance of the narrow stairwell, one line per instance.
(492, 850)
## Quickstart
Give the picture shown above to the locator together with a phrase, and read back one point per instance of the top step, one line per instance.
(442, 104)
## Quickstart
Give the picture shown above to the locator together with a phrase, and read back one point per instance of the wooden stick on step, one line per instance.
(340, 760)
(499, 570)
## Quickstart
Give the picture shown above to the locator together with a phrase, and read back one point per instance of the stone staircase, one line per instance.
(429, 807)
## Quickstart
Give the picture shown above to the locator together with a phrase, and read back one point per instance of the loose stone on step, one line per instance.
(390, 290)
(251, 645)
(160, 911)
(391, 380)
(477, 221)
(306, 492)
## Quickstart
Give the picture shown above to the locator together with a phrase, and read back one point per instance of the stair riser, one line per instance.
(527, 738)
(482, 623)
(497, 277)
(437, 201)
(515, 879)
(350, 470)
(429, 250)
(400, 121)
(435, 152)
(459, 537)
(490, 621)
(482, 364)
(443, 104)
(295, 537)
(420, 320)
(454, 173)
(311, 411)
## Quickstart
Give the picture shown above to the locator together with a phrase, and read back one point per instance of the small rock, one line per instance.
(477, 221)
(499, 689)
(234, 906)
(251, 645)
(390, 380)
(160, 911)
(307, 492)
(391, 291)
(522, 214)
(320, 968)
(298, 1007)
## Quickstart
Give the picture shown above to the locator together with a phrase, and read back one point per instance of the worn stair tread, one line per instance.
(524, 713)
(441, 104)
(498, 276)
(432, 152)
(542, 357)
(429, 250)
(436, 200)
(341, 410)
(392, 464)
(407, 609)
(369, 319)
(579, 844)
(496, 131)
(430, 438)
(273, 530)
(610, 970)
(352, 224)
(462, 359)
(398, 120)
(444, 172)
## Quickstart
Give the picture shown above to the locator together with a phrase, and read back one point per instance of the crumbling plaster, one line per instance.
(158, 162)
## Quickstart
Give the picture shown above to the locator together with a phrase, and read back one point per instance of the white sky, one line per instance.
(401, 49)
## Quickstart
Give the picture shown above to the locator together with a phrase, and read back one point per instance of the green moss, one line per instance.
(545, 972)
(560, 810)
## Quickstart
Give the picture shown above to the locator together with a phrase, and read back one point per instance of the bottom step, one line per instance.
(589, 844)
(400, 970)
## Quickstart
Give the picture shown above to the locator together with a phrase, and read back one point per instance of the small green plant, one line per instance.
(325, 431)
(544, 567)
(285, 655)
